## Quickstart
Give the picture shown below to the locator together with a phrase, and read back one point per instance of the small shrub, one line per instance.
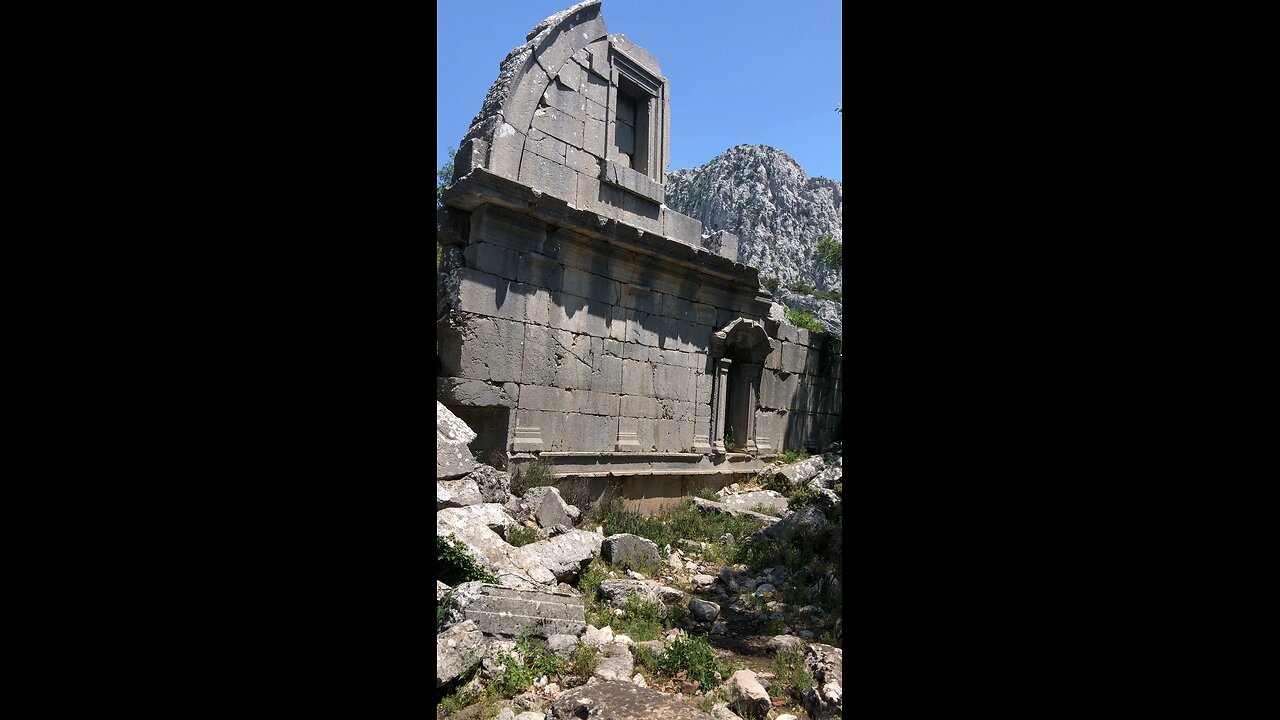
(454, 565)
(790, 676)
(789, 456)
(585, 659)
(694, 656)
(765, 510)
(800, 287)
(519, 535)
(532, 475)
(770, 283)
(831, 295)
(707, 493)
(802, 319)
(839, 489)
(643, 620)
(831, 251)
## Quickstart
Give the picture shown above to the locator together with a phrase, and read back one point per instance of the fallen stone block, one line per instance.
(748, 500)
(549, 508)
(457, 493)
(490, 515)
(457, 649)
(633, 551)
(826, 663)
(494, 484)
(705, 507)
(747, 695)
(784, 642)
(614, 662)
(621, 701)
(802, 472)
(810, 517)
(510, 565)
(453, 457)
(567, 554)
(505, 611)
(615, 592)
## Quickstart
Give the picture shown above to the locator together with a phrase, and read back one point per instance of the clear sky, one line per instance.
(741, 72)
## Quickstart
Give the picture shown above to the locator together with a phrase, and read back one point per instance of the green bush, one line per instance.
(643, 620)
(707, 493)
(831, 251)
(694, 656)
(790, 456)
(802, 319)
(454, 565)
(585, 659)
(765, 509)
(831, 295)
(538, 661)
(770, 283)
(801, 287)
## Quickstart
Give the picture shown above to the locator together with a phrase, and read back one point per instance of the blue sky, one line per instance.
(741, 72)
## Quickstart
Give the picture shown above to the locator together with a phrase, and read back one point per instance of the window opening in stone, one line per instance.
(631, 132)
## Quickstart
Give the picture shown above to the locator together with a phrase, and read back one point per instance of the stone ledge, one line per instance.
(482, 187)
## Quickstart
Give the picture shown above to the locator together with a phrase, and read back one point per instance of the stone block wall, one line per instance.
(585, 314)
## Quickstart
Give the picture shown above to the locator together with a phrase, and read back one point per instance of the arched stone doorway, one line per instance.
(737, 357)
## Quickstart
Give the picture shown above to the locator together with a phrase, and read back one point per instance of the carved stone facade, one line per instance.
(578, 317)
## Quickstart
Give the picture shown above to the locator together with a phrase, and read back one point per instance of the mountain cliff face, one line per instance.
(777, 211)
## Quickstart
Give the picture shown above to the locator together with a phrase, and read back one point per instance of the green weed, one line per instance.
(519, 535)
(454, 565)
(791, 677)
(693, 656)
(802, 319)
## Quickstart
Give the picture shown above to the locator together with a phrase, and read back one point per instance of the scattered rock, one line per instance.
(453, 457)
(565, 555)
(721, 711)
(675, 562)
(441, 589)
(784, 642)
(492, 666)
(562, 644)
(788, 716)
(826, 663)
(703, 581)
(623, 640)
(595, 637)
(707, 507)
(494, 484)
(457, 649)
(638, 679)
(625, 549)
(615, 592)
(499, 610)
(506, 713)
(457, 493)
(614, 662)
(810, 517)
(530, 715)
(668, 595)
(548, 507)
(726, 539)
(748, 500)
(800, 473)
(828, 477)
(621, 701)
(765, 588)
(747, 695)
(703, 610)
(635, 575)
(490, 515)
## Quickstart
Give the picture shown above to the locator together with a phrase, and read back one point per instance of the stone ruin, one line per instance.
(580, 320)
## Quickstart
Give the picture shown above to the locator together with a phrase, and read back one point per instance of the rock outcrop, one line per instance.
(777, 211)
(453, 458)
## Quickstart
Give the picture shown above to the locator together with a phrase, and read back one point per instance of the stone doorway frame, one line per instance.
(749, 336)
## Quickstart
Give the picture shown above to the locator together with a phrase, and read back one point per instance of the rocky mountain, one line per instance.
(778, 212)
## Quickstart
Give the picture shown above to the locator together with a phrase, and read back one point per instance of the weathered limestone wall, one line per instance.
(581, 319)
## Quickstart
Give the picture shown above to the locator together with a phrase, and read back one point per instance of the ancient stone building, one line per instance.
(580, 320)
